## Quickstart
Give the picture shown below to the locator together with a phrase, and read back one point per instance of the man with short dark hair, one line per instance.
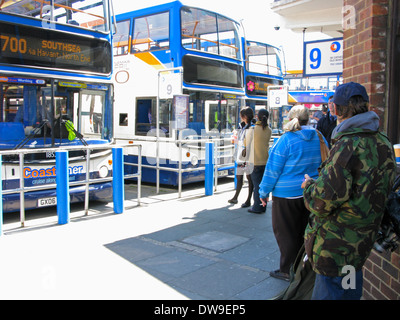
(327, 123)
(348, 198)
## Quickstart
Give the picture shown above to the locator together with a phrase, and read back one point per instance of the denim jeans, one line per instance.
(331, 288)
(256, 177)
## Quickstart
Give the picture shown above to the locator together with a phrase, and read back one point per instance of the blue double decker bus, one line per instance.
(55, 92)
(262, 68)
(178, 75)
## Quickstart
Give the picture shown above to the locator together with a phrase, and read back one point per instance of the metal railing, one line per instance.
(219, 144)
(22, 189)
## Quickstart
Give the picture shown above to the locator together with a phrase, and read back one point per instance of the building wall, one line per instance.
(365, 50)
(365, 60)
(382, 276)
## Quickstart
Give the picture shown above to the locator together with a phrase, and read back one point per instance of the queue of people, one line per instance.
(332, 207)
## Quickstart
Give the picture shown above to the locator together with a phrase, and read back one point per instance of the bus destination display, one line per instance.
(257, 86)
(48, 48)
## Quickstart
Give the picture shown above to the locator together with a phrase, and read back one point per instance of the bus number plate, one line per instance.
(47, 202)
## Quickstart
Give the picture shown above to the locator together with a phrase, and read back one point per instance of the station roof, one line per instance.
(311, 15)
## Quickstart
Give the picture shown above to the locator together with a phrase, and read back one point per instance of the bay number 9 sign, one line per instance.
(323, 57)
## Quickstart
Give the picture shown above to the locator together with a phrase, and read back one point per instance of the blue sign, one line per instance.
(323, 57)
(22, 80)
(316, 96)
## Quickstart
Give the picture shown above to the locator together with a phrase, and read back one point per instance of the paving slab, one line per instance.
(216, 240)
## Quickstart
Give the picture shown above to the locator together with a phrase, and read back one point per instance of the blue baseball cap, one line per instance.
(345, 91)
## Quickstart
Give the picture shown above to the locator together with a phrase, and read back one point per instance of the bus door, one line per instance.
(222, 115)
(212, 113)
(229, 114)
(146, 117)
(89, 106)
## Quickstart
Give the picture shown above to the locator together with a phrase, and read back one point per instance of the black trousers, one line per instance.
(289, 221)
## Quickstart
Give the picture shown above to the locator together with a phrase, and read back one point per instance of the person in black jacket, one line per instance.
(327, 123)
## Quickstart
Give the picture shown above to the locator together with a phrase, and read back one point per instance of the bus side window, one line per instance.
(144, 117)
(151, 33)
(122, 40)
(123, 119)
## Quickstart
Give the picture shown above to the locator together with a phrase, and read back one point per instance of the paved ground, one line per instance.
(195, 247)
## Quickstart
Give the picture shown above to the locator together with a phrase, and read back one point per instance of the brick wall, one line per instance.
(382, 276)
(365, 48)
(365, 61)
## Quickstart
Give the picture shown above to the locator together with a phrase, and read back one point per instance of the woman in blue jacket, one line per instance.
(296, 153)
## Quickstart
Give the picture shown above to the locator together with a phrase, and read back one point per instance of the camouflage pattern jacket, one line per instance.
(347, 200)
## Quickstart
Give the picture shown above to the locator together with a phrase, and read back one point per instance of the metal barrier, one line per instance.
(62, 178)
(1, 198)
(215, 167)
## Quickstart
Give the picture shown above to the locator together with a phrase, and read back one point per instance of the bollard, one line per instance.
(209, 178)
(396, 148)
(1, 199)
(118, 180)
(235, 180)
(62, 180)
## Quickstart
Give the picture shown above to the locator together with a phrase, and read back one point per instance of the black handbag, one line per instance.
(389, 233)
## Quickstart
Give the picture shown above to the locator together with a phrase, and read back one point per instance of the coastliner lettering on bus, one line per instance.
(49, 172)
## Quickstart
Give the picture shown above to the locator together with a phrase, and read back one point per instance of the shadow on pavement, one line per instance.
(219, 254)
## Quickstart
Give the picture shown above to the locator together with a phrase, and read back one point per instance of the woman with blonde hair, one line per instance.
(296, 153)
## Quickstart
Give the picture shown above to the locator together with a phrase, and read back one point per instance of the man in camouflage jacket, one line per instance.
(347, 200)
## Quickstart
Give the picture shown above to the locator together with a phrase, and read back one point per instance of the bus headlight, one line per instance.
(103, 172)
(194, 161)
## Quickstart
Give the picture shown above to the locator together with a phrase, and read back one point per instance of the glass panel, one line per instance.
(274, 62)
(145, 116)
(212, 113)
(146, 113)
(165, 116)
(88, 14)
(121, 38)
(229, 111)
(228, 38)
(208, 32)
(199, 30)
(151, 33)
(210, 71)
(28, 118)
(44, 47)
(92, 108)
(264, 59)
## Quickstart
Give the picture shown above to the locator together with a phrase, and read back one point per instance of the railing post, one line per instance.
(235, 180)
(118, 180)
(209, 174)
(139, 172)
(1, 199)
(62, 180)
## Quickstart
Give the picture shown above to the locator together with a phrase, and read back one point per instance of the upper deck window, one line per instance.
(149, 33)
(209, 32)
(262, 58)
(91, 14)
(122, 38)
